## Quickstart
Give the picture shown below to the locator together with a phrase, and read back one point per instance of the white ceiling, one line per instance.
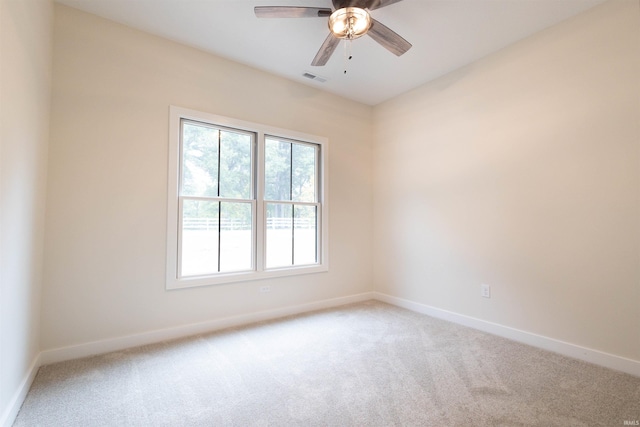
(446, 35)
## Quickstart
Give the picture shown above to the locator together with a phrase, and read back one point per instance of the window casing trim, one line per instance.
(173, 281)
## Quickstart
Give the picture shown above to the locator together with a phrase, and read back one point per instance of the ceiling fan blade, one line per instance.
(326, 50)
(377, 4)
(291, 12)
(388, 38)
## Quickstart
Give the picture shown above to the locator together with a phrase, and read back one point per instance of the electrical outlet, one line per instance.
(265, 289)
(485, 291)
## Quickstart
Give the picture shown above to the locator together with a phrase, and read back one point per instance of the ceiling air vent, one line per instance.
(315, 77)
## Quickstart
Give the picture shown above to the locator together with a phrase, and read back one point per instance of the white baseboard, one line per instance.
(596, 357)
(120, 343)
(11, 411)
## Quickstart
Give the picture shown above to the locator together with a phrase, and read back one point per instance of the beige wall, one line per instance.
(25, 89)
(106, 211)
(521, 171)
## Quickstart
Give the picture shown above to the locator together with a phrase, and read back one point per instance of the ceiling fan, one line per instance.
(349, 20)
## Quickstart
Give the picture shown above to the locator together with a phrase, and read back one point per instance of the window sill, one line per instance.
(222, 279)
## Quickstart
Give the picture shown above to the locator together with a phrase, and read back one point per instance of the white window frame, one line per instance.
(173, 281)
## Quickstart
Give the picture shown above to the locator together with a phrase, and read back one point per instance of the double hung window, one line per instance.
(291, 202)
(245, 201)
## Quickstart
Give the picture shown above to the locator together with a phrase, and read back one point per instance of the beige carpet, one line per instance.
(368, 364)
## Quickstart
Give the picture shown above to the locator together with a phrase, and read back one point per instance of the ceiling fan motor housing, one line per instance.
(362, 4)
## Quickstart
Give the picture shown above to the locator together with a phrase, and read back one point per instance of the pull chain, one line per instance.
(347, 49)
(347, 52)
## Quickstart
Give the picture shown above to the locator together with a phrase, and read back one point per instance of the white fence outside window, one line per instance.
(204, 224)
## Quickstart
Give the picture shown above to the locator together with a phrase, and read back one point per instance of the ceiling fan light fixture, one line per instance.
(349, 23)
